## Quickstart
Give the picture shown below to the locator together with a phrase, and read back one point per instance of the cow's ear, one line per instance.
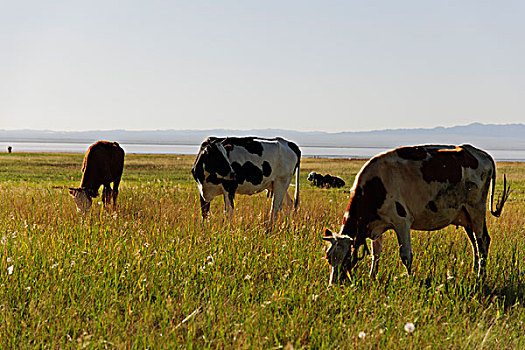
(329, 236)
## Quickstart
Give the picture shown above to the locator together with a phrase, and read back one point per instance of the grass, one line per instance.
(150, 275)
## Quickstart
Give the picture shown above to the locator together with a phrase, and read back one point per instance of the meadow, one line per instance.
(151, 275)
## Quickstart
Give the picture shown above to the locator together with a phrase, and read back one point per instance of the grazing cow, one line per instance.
(422, 188)
(246, 165)
(103, 164)
(326, 181)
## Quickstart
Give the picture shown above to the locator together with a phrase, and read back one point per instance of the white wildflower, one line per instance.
(266, 303)
(409, 327)
(10, 269)
(362, 335)
(247, 277)
(209, 260)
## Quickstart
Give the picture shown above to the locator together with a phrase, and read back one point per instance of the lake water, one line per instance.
(307, 151)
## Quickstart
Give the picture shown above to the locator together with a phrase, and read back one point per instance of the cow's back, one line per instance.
(257, 162)
(429, 181)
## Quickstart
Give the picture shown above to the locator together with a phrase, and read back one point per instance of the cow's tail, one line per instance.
(297, 171)
(504, 196)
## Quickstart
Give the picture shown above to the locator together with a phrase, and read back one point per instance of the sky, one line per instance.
(300, 65)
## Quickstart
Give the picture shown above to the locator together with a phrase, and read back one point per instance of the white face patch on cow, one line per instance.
(82, 200)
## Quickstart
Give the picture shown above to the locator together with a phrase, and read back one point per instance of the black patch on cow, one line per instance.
(266, 168)
(198, 169)
(412, 153)
(216, 162)
(249, 143)
(400, 210)
(211, 160)
(247, 172)
(432, 206)
(230, 186)
(446, 164)
(363, 208)
(297, 152)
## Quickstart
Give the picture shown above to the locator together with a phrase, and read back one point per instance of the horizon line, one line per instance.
(252, 129)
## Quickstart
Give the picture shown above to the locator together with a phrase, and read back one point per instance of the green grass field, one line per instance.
(151, 275)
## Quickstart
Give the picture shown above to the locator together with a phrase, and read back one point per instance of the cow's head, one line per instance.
(82, 198)
(212, 163)
(342, 254)
(311, 176)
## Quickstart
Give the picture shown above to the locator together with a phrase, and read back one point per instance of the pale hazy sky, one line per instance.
(304, 65)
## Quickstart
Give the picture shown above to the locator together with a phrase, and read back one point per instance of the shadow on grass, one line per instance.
(509, 294)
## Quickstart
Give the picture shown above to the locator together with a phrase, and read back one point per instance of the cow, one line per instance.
(427, 188)
(246, 165)
(325, 181)
(103, 164)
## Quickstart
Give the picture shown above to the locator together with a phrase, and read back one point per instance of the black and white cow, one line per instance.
(421, 188)
(246, 165)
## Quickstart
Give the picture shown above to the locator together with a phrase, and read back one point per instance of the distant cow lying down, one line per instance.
(325, 181)
(103, 164)
(422, 188)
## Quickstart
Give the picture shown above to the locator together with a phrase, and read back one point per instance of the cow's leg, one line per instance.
(377, 247)
(287, 202)
(106, 194)
(114, 193)
(279, 191)
(229, 204)
(483, 240)
(205, 208)
(474, 244)
(405, 247)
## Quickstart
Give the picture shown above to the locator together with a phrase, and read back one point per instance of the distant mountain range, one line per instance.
(490, 136)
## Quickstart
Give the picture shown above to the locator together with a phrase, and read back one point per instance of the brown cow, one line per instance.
(422, 188)
(103, 164)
